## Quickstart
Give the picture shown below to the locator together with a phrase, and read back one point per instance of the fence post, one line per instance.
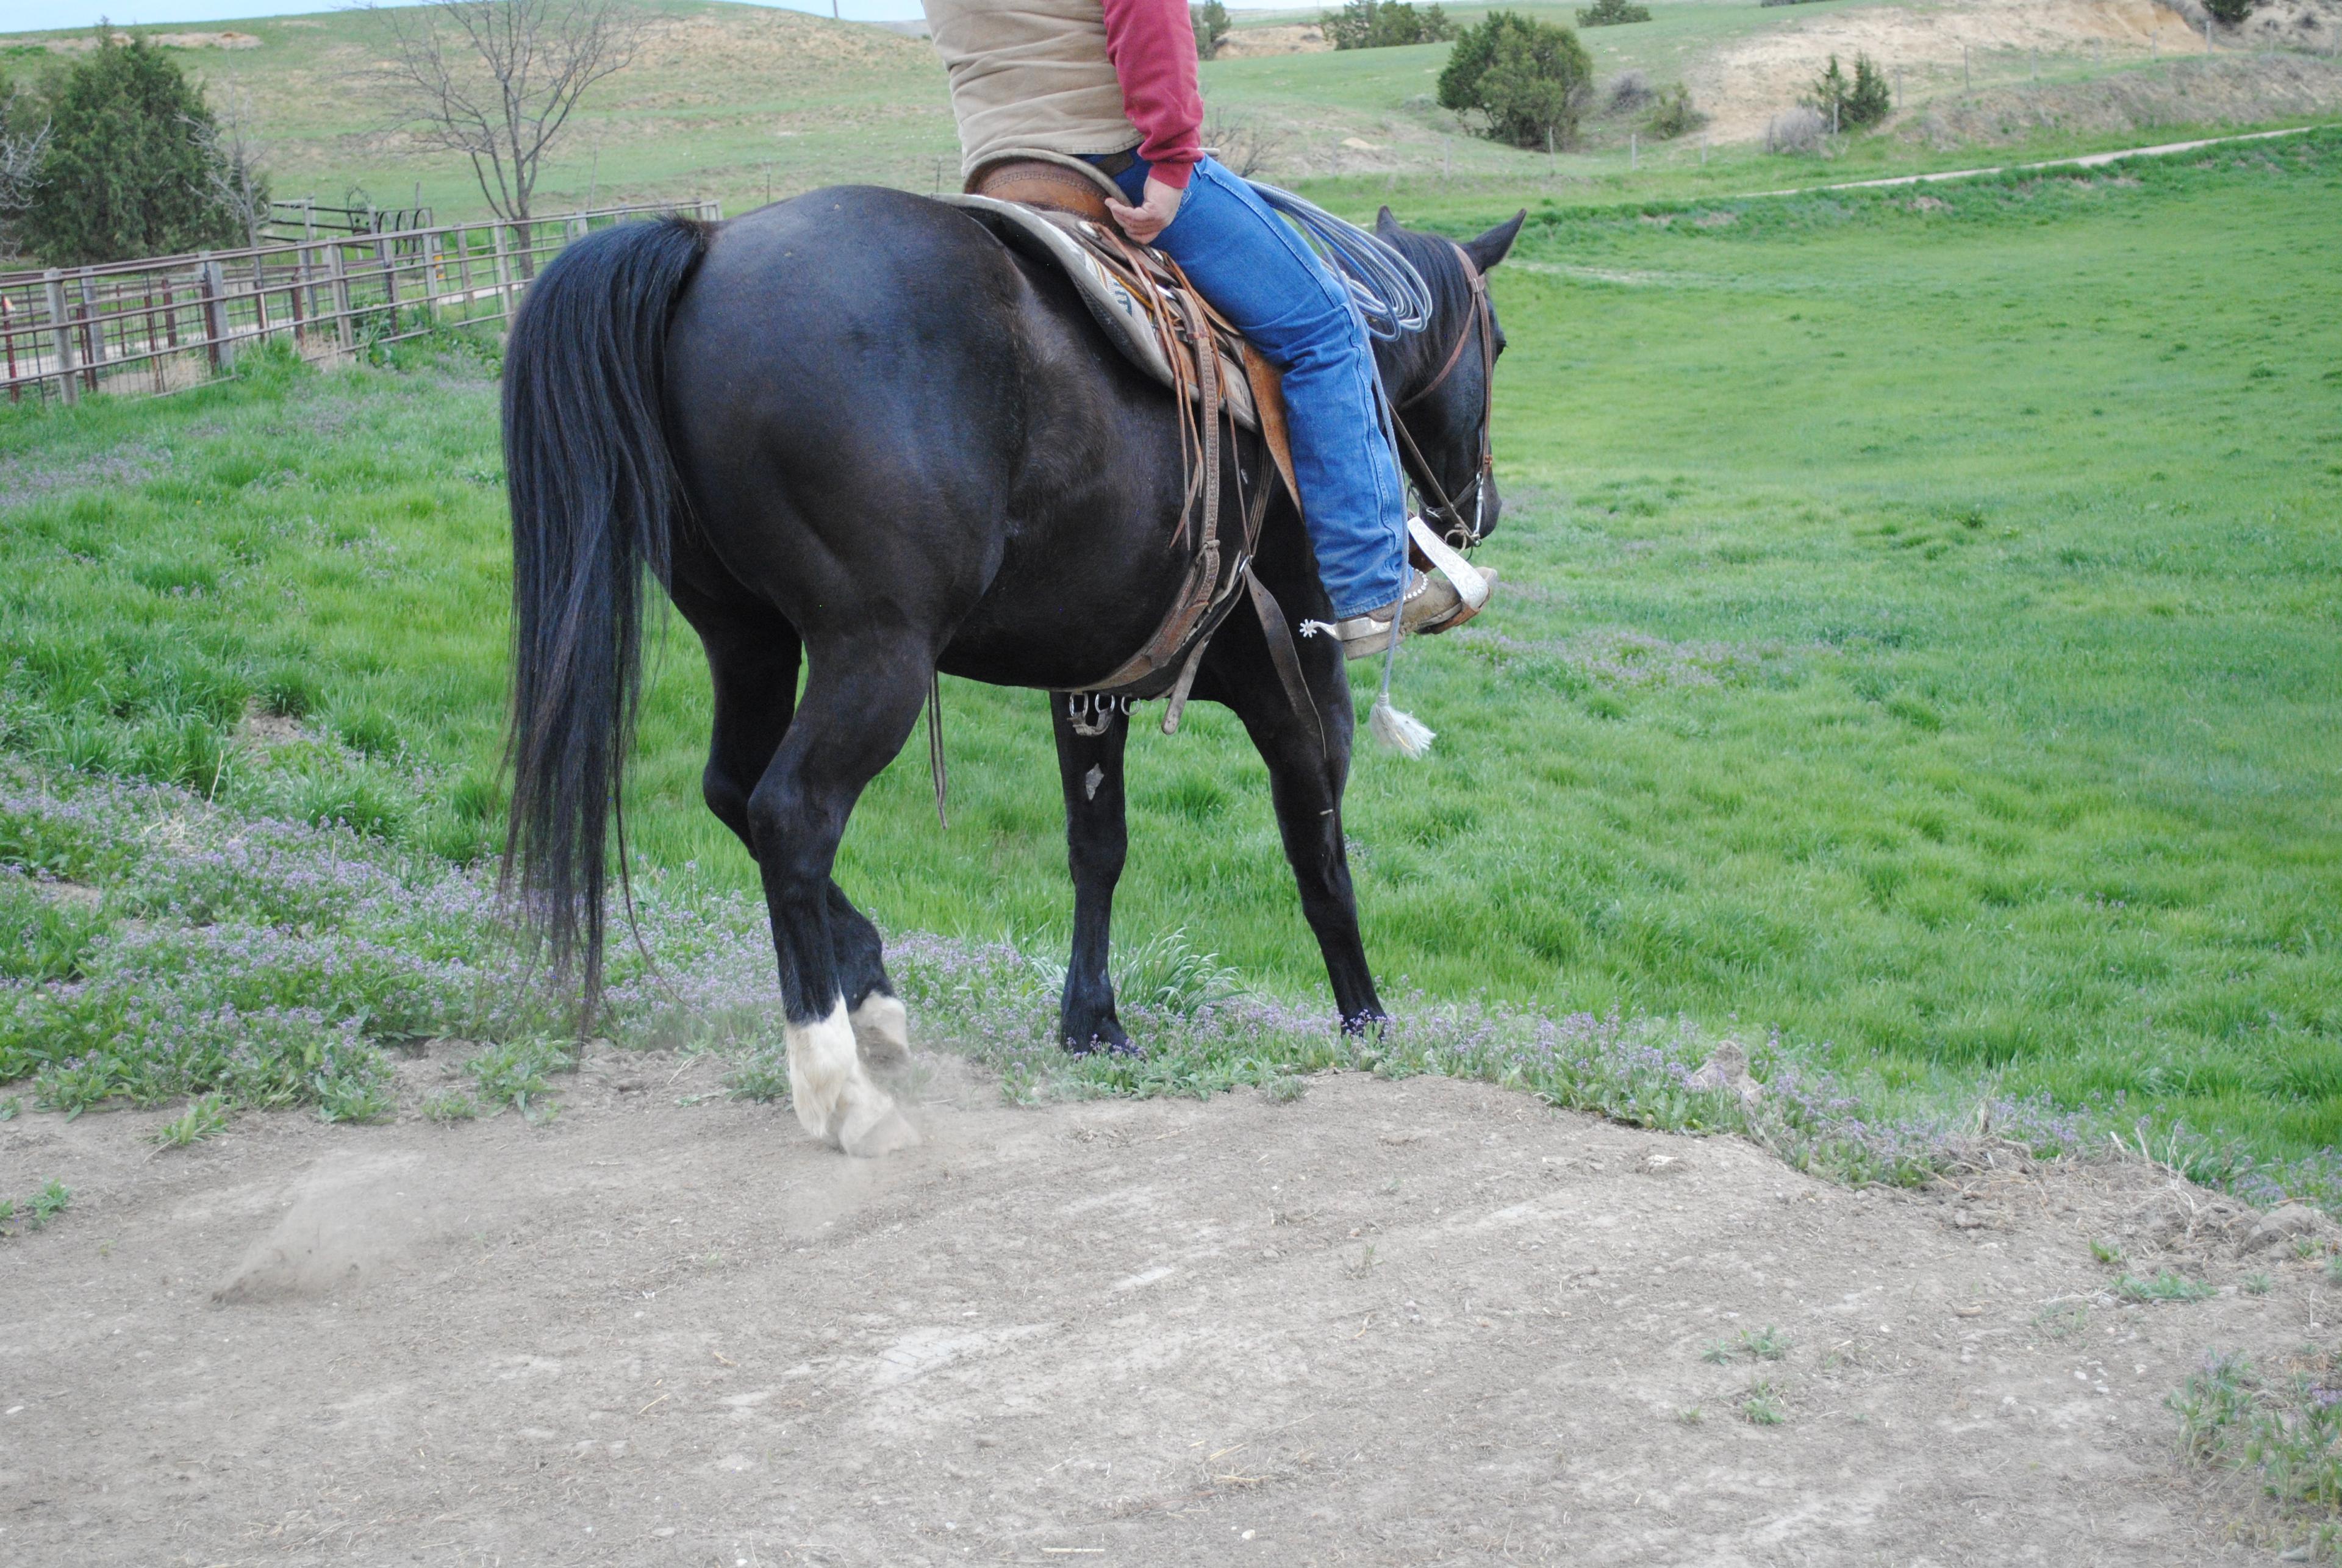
(259, 299)
(340, 269)
(215, 320)
(504, 273)
(92, 334)
(306, 274)
(383, 257)
(61, 335)
(154, 355)
(293, 299)
(8, 335)
(436, 271)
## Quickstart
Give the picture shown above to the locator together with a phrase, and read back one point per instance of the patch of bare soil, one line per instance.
(1248, 43)
(782, 46)
(1745, 83)
(81, 44)
(1386, 1323)
(2237, 90)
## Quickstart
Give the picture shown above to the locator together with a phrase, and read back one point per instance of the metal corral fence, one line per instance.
(161, 326)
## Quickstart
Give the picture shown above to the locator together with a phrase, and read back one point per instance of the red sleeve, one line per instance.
(1152, 43)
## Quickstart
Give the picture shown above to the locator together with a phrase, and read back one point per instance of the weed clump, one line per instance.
(1629, 91)
(449, 1105)
(515, 1072)
(206, 1116)
(1797, 130)
(2284, 1434)
(2164, 1286)
(1766, 1343)
(763, 1077)
(54, 1199)
(1762, 1405)
(1673, 114)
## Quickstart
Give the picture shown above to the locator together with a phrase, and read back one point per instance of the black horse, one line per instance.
(855, 426)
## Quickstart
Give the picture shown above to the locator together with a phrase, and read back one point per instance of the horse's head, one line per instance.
(1439, 379)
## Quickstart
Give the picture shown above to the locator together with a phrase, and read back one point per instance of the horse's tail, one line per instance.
(595, 497)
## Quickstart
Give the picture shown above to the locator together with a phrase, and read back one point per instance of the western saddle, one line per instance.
(1052, 209)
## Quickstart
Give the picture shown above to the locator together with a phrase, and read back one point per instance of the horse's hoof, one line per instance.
(882, 1031)
(886, 1133)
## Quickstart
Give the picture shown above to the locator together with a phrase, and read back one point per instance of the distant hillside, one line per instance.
(736, 101)
(723, 93)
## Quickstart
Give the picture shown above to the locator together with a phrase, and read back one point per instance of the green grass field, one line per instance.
(1924, 637)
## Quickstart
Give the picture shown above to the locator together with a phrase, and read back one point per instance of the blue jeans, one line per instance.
(1257, 272)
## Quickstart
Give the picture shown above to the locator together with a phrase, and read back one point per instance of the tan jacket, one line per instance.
(1030, 74)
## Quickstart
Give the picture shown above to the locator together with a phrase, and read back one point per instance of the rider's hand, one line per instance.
(1151, 217)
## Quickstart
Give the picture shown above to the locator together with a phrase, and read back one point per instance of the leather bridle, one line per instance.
(1462, 533)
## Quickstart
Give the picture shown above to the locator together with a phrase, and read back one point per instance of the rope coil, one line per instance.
(1389, 295)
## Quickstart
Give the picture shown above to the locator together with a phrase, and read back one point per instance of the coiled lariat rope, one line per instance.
(1384, 289)
(1390, 298)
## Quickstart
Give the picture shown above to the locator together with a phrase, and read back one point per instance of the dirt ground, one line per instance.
(1384, 1323)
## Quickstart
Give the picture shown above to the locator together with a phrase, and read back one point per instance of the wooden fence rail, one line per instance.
(161, 326)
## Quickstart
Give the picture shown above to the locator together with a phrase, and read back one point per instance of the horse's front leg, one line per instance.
(1309, 765)
(1097, 841)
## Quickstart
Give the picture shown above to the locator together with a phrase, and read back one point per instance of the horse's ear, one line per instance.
(1384, 225)
(1491, 247)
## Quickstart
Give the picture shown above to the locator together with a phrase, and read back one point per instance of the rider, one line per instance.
(1113, 82)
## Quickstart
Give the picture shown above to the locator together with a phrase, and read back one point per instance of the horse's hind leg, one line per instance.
(882, 1027)
(858, 707)
(753, 658)
(1097, 841)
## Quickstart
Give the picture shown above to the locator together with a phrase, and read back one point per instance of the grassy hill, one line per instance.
(738, 102)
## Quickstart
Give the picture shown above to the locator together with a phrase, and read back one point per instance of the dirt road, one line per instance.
(1387, 1323)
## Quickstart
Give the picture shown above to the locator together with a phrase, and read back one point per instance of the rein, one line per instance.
(1462, 533)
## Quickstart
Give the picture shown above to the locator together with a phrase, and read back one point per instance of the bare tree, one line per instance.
(1244, 147)
(497, 80)
(23, 148)
(232, 154)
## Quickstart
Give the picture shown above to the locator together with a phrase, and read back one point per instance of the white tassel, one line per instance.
(1405, 734)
